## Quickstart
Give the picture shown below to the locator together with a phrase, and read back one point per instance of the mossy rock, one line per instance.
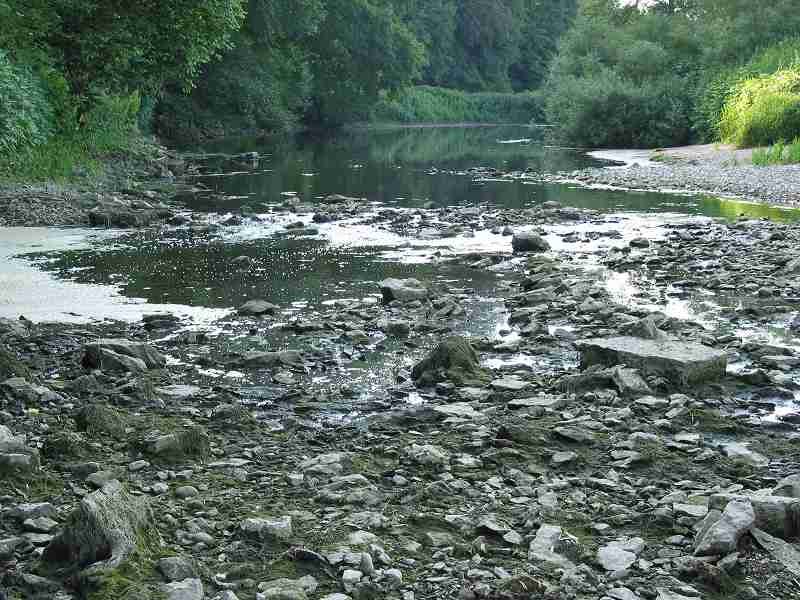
(455, 359)
(190, 442)
(99, 420)
(10, 366)
(64, 445)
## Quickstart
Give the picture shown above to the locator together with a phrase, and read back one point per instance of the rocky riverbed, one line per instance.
(596, 448)
(777, 184)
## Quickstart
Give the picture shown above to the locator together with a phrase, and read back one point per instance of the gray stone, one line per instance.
(739, 451)
(782, 552)
(177, 568)
(151, 357)
(15, 456)
(681, 363)
(269, 529)
(188, 589)
(427, 454)
(723, 537)
(509, 384)
(620, 554)
(270, 360)
(330, 464)
(546, 545)
(528, 241)
(288, 589)
(258, 307)
(777, 515)
(404, 290)
(788, 486)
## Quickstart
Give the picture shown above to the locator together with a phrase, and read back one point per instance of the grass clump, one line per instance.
(781, 153)
(428, 104)
(763, 110)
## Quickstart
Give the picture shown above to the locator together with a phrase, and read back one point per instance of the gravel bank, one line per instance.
(774, 185)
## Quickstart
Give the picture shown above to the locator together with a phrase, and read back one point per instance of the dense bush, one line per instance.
(26, 116)
(763, 110)
(621, 86)
(717, 87)
(425, 104)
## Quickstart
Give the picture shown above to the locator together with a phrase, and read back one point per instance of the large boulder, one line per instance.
(106, 354)
(723, 537)
(105, 530)
(528, 241)
(777, 515)
(404, 290)
(453, 359)
(681, 363)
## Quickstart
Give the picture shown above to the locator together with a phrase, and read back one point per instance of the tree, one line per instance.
(361, 49)
(118, 46)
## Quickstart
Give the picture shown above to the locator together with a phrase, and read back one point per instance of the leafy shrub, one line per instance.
(717, 87)
(620, 86)
(763, 110)
(780, 153)
(426, 104)
(605, 109)
(26, 117)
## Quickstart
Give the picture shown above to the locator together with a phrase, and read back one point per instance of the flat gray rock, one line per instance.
(681, 363)
(722, 538)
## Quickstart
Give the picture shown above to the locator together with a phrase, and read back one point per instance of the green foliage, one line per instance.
(718, 87)
(26, 116)
(425, 104)
(650, 59)
(780, 153)
(361, 49)
(763, 110)
(621, 86)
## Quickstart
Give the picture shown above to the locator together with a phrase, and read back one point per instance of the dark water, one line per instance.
(395, 168)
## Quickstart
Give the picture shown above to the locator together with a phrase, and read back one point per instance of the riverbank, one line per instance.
(709, 169)
(135, 189)
(487, 468)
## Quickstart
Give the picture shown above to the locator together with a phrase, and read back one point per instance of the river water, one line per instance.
(85, 275)
(89, 275)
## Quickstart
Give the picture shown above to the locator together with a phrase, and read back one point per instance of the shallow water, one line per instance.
(81, 275)
(401, 168)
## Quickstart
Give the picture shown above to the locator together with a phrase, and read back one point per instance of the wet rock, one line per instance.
(454, 359)
(723, 537)
(681, 363)
(403, 290)
(112, 349)
(645, 328)
(103, 532)
(740, 452)
(269, 360)
(258, 307)
(529, 241)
